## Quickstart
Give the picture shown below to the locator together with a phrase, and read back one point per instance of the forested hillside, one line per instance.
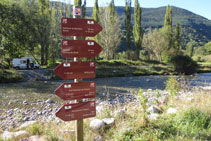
(194, 26)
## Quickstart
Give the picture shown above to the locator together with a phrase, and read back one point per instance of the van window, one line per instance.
(23, 61)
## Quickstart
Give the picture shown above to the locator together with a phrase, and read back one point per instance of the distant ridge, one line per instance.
(194, 26)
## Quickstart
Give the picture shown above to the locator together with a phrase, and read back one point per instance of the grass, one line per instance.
(127, 68)
(9, 75)
(192, 122)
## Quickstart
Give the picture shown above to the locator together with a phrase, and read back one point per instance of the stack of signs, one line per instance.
(78, 70)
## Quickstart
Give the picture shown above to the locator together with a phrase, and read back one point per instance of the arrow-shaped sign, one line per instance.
(75, 70)
(80, 48)
(80, 90)
(76, 111)
(79, 27)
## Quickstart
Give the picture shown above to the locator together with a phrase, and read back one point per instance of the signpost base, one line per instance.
(79, 130)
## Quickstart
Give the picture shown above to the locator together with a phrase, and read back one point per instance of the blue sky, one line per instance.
(201, 7)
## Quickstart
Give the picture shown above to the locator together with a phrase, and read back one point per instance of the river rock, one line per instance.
(108, 121)
(154, 109)
(49, 101)
(25, 102)
(97, 124)
(8, 135)
(26, 124)
(26, 118)
(98, 138)
(172, 111)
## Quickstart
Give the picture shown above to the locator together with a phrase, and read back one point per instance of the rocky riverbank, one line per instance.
(45, 110)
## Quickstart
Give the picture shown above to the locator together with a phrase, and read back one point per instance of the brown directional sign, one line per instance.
(76, 111)
(75, 70)
(80, 48)
(79, 27)
(80, 90)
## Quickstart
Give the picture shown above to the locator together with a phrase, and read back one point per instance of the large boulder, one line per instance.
(97, 124)
(108, 121)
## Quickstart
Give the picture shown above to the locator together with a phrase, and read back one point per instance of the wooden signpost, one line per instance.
(79, 27)
(80, 90)
(78, 70)
(76, 111)
(75, 70)
(80, 48)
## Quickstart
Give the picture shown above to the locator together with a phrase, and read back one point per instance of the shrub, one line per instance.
(183, 64)
(172, 85)
(7, 76)
(35, 129)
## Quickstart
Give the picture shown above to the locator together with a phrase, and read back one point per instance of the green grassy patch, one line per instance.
(191, 124)
(7, 76)
(126, 68)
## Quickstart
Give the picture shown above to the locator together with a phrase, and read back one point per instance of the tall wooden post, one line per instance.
(78, 123)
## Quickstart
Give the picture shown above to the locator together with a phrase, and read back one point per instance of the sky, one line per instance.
(200, 7)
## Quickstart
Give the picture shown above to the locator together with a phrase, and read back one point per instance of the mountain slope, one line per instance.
(193, 26)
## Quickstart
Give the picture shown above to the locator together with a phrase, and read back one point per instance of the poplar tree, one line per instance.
(95, 16)
(168, 34)
(84, 9)
(177, 42)
(168, 26)
(95, 13)
(137, 31)
(44, 30)
(112, 11)
(128, 25)
(77, 3)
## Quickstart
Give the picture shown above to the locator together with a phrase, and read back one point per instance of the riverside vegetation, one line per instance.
(191, 121)
(130, 40)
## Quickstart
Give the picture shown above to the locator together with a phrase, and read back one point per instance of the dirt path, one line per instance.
(35, 75)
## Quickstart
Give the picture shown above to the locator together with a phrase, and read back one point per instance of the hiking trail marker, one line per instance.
(80, 90)
(79, 27)
(80, 48)
(78, 70)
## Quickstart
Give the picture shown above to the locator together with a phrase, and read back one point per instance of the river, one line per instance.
(120, 83)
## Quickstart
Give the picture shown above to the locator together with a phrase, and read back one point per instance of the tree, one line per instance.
(84, 9)
(154, 43)
(112, 11)
(190, 48)
(95, 13)
(110, 37)
(55, 44)
(128, 25)
(44, 30)
(208, 48)
(137, 31)
(168, 33)
(77, 2)
(177, 41)
(18, 28)
(95, 16)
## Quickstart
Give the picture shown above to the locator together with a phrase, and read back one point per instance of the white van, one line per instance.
(24, 63)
